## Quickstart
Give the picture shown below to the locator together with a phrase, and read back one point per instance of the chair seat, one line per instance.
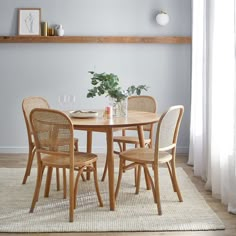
(144, 155)
(130, 139)
(80, 159)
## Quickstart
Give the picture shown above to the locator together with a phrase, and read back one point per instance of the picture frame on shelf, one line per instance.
(29, 21)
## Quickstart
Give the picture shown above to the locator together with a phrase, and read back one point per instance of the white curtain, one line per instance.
(212, 149)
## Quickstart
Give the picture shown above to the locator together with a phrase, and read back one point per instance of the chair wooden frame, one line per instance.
(164, 152)
(32, 102)
(136, 103)
(53, 134)
(28, 104)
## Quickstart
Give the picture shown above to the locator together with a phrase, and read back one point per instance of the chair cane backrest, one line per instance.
(143, 103)
(53, 132)
(28, 105)
(168, 129)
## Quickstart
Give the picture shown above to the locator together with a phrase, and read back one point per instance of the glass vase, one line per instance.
(120, 109)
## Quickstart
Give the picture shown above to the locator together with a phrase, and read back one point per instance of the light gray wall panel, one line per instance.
(50, 70)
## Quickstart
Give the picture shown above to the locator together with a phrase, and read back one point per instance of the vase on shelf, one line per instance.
(59, 30)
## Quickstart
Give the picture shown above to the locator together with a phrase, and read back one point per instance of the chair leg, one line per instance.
(64, 184)
(76, 148)
(43, 168)
(171, 176)
(80, 171)
(31, 160)
(72, 195)
(104, 171)
(157, 190)
(123, 147)
(148, 186)
(37, 187)
(58, 178)
(176, 186)
(88, 175)
(48, 182)
(135, 175)
(151, 182)
(119, 177)
(138, 180)
(120, 148)
(83, 177)
(96, 184)
(29, 163)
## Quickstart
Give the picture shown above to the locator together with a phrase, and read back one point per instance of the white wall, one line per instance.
(50, 70)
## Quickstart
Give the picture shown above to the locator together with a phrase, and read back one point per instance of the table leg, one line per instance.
(89, 147)
(110, 161)
(142, 144)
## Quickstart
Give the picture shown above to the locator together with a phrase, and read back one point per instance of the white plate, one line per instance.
(83, 114)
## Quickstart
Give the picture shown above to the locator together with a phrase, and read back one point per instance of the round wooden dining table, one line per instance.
(103, 124)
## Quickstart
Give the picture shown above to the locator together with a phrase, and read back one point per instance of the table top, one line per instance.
(133, 118)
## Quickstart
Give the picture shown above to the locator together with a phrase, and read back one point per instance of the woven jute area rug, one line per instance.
(132, 213)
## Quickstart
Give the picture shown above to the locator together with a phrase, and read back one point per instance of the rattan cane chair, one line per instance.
(53, 134)
(28, 105)
(164, 152)
(137, 103)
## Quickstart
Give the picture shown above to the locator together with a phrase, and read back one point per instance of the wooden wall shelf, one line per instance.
(96, 39)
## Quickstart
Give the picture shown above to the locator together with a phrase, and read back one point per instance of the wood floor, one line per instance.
(19, 160)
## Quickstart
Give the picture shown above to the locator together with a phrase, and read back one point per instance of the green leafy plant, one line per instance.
(108, 85)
